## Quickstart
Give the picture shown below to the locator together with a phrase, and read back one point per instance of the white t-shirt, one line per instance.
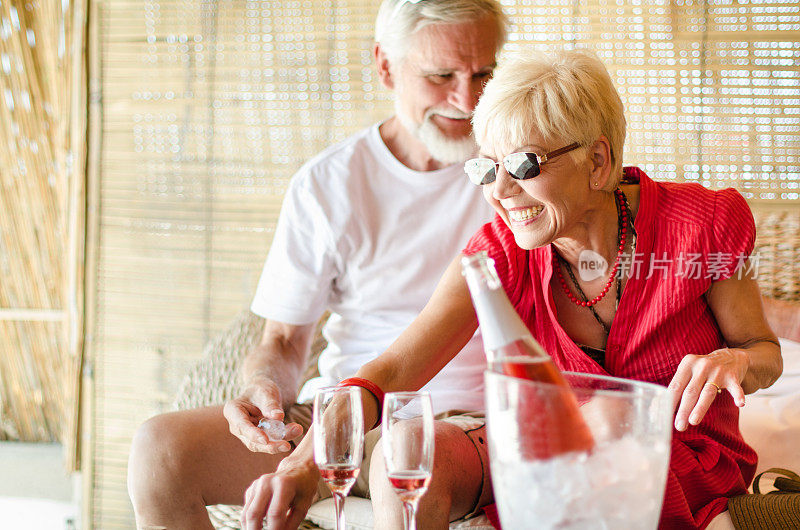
(368, 238)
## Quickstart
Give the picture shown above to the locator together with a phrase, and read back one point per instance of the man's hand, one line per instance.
(700, 379)
(259, 399)
(282, 497)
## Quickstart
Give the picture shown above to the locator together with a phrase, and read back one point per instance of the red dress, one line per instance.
(688, 236)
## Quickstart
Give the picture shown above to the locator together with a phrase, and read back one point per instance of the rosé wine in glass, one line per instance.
(410, 485)
(338, 424)
(339, 477)
(407, 439)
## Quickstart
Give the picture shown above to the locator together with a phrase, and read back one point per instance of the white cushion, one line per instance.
(770, 419)
(358, 515)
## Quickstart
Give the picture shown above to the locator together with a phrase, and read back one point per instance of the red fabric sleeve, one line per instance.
(733, 234)
(497, 240)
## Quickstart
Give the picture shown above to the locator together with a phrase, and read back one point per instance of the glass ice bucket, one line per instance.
(618, 483)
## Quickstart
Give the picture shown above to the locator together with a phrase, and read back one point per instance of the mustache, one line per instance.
(451, 113)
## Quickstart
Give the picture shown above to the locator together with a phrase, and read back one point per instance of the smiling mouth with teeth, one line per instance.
(525, 214)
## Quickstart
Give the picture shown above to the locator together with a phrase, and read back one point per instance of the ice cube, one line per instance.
(275, 429)
(619, 485)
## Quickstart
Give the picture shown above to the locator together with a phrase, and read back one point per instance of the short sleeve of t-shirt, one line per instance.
(733, 233)
(296, 281)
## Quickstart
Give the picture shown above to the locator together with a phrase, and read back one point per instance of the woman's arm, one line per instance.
(752, 359)
(736, 304)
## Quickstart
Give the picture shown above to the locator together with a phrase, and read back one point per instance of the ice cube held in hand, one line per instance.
(275, 429)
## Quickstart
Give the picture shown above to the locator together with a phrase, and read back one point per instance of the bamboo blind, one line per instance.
(42, 120)
(208, 107)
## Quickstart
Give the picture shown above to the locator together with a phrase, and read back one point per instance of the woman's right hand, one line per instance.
(283, 497)
(259, 399)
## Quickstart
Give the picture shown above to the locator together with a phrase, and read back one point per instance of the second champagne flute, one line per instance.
(407, 438)
(338, 441)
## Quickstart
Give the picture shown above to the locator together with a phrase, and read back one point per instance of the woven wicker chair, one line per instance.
(212, 381)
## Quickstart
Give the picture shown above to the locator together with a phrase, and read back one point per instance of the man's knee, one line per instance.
(452, 450)
(158, 456)
(457, 474)
(378, 480)
(386, 507)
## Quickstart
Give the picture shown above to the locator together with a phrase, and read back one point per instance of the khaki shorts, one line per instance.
(472, 423)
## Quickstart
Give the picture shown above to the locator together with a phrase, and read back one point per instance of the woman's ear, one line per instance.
(383, 66)
(601, 163)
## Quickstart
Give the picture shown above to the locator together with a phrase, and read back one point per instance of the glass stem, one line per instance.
(410, 515)
(338, 506)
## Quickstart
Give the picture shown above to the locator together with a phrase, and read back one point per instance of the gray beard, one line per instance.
(441, 148)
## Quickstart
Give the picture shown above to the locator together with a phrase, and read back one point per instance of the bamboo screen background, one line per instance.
(42, 153)
(207, 107)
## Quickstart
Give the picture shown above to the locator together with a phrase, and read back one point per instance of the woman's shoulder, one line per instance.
(720, 219)
(693, 203)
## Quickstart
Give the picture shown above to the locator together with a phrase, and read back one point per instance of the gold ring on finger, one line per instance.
(719, 390)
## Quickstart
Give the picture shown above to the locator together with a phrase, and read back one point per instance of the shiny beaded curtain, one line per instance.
(208, 107)
(750, 100)
(711, 88)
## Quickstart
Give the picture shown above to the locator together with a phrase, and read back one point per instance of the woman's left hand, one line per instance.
(700, 379)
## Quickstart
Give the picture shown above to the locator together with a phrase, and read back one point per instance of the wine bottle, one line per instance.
(511, 350)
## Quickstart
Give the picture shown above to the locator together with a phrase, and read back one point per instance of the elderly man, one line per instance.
(366, 229)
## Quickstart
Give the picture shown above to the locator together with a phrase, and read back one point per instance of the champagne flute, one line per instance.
(407, 438)
(338, 441)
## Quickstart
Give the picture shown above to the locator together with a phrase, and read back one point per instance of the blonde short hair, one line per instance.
(398, 20)
(564, 96)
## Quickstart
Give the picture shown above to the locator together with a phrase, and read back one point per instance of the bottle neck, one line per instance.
(499, 322)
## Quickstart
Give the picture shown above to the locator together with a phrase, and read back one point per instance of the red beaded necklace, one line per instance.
(622, 219)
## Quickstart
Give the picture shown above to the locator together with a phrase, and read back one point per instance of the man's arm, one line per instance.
(270, 376)
(281, 357)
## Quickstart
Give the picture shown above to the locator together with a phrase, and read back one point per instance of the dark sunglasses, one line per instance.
(521, 166)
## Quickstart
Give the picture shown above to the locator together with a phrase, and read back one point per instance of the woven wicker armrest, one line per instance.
(777, 250)
(214, 379)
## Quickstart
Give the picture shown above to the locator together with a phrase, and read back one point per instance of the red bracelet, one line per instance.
(370, 387)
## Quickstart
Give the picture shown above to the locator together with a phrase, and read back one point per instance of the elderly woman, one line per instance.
(683, 310)
(679, 307)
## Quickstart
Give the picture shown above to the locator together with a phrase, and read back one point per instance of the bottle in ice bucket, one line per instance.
(512, 350)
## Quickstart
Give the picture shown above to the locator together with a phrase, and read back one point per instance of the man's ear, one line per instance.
(600, 159)
(383, 66)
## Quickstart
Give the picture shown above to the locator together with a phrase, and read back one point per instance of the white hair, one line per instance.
(398, 20)
(564, 96)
